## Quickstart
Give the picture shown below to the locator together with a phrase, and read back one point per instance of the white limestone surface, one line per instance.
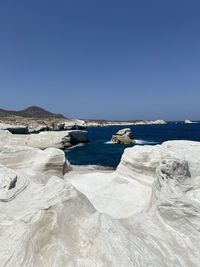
(39, 164)
(42, 140)
(130, 217)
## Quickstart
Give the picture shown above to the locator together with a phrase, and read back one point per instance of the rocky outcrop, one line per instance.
(188, 121)
(15, 129)
(37, 128)
(128, 190)
(166, 225)
(156, 122)
(146, 159)
(61, 140)
(75, 125)
(146, 212)
(123, 136)
(34, 127)
(103, 123)
(33, 162)
(57, 126)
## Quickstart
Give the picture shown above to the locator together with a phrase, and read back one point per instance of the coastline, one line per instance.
(52, 203)
(105, 123)
(45, 202)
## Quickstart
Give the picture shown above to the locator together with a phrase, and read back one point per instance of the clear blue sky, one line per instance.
(105, 59)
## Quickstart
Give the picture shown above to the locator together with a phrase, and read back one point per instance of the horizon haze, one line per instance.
(113, 60)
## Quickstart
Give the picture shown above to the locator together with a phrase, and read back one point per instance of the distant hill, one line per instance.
(33, 112)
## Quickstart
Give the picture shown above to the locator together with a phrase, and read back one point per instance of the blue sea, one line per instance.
(100, 151)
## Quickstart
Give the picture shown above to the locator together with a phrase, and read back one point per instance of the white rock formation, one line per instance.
(15, 129)
(128, 190)
(11, 184)
(123, 136)
(158, 122)
(35, 163)
(147, 213)
(96, 123)
(188, 121)
(61, 140)
(142, 161)
(37, 128)
(74, 125)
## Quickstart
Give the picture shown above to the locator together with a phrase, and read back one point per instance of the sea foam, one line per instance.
(138, 142)
(144, 142)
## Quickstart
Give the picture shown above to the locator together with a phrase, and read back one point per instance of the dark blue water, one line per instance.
(98, 152)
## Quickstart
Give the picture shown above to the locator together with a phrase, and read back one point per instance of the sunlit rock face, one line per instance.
(123, 136)
(35, 163)
(74, 220)
(43, 140)
(11, 184)
(140, 162)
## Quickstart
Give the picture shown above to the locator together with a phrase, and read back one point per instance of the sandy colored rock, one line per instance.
(123, 136)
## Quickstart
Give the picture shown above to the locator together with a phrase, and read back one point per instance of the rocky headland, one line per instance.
(36, 127)
(35, 119)
(103, 123)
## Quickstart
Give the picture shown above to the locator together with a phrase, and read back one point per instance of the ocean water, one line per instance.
(101, 151)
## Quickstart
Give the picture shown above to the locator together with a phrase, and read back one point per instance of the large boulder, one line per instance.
(123, 136)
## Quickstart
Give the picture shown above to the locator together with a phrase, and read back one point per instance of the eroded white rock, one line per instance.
(42, 140)
(39, 164)
(11, 184)
(128, 190)
(52, 224)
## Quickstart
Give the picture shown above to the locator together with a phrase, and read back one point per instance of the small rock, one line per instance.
(188, 121)
(124, 136)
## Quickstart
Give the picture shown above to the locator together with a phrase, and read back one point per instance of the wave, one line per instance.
(78, 145)
(138, 142)
(109, 142)
(145, 142)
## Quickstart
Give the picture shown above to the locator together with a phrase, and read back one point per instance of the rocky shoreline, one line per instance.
(35, 120)
(104, 123)
(28, 125)
(43, 140)
(54, 214)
